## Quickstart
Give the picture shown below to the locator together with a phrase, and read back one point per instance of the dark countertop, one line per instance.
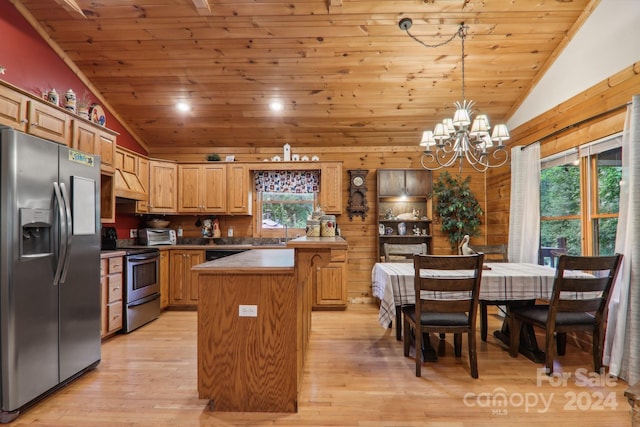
(239, 243)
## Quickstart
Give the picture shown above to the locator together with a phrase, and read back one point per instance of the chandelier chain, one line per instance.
(461, 138)
(462, 33)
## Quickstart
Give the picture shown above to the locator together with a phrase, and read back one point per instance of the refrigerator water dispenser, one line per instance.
(36, 233)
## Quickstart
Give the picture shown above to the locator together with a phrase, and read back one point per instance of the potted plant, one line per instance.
(213, 157)
(456, 208)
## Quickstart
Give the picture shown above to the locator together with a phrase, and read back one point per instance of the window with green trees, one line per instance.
(579, 200)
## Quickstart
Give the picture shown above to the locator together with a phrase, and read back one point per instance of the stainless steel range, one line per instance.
(142, 287)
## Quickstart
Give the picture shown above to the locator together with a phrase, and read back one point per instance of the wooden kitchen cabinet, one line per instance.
(142, 206)
(238, 189)
(95, 139)
(202, 188)
(183, 286)
(111, 283)
(404, 182)
(107, 198)
(321, 263)
(163, 186)
(331, 187)
(13, 108)
(330, 290)
(164, 268)
(29, 114)
(48, 122)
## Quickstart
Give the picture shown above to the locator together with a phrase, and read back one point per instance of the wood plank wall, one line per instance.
(492, 189)
(360, 234)
(588, 116)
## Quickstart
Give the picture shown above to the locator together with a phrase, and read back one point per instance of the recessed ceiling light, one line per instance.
(276, 106)
(183, 106)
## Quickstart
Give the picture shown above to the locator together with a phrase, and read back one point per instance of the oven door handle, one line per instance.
(144, 300)
(142, 257)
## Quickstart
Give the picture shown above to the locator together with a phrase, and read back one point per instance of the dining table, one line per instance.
(510, 283)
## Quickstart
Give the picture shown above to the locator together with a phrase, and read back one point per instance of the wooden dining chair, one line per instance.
(565, 312)
(436, 310)
(492, 253)
(402, 252)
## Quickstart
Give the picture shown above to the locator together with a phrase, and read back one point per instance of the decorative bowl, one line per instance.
(158, 223)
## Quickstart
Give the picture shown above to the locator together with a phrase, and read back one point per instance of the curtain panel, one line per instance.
(524, 211)
(622, 342)
(288, 181)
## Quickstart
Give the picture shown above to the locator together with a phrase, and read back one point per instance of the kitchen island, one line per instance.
(254, 320)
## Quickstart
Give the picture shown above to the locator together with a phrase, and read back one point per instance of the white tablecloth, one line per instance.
(392, 283)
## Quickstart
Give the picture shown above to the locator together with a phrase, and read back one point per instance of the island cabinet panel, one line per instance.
(164, 275)
(247, 361)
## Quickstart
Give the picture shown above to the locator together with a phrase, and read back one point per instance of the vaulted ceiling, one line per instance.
(345, 72)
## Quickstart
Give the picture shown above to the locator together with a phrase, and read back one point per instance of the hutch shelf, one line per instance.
(404, 207)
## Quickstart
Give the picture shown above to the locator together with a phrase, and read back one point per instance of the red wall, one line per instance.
(34, 67)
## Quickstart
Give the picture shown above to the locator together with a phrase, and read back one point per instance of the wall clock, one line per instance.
(357, 193)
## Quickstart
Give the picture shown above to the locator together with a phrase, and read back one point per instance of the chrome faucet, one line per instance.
(286, 235)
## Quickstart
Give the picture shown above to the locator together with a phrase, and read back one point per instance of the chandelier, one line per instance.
(458, 138)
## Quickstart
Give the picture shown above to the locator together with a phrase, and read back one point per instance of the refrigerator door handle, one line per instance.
(62, 247)
(67, 203)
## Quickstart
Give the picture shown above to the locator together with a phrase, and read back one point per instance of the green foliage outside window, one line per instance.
(560, 204)
(560, 197)
(290, 209)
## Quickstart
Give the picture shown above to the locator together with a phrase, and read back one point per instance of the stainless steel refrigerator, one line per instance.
(49, 267)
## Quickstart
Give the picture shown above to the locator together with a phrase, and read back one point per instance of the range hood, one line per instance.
(129, 186)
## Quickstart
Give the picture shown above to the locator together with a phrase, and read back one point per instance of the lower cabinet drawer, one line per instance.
(114, 316)
(115, 288)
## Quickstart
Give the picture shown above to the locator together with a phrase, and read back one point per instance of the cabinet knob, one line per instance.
(34, 124)
(24, 121)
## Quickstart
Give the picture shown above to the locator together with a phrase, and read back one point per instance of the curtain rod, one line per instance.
(588, 119)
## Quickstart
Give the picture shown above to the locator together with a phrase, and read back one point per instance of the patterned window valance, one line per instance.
(288, 181)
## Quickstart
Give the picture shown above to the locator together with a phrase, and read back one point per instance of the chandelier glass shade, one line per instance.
(460, 138)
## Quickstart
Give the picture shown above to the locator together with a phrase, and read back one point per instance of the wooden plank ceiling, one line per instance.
(345, 72)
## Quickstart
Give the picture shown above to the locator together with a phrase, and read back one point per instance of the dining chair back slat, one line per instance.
(448, 306)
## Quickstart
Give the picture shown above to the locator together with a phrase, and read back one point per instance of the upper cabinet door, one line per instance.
(238, 189)
(404, 182)
(190, 187)
(49, 123)
(13, 109)
(391, 183)
(214, 199)
(91, 138)
(417, 182)
(163, 183)
(331, 187)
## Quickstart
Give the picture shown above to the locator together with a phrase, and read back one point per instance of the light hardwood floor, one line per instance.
(355, 375)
